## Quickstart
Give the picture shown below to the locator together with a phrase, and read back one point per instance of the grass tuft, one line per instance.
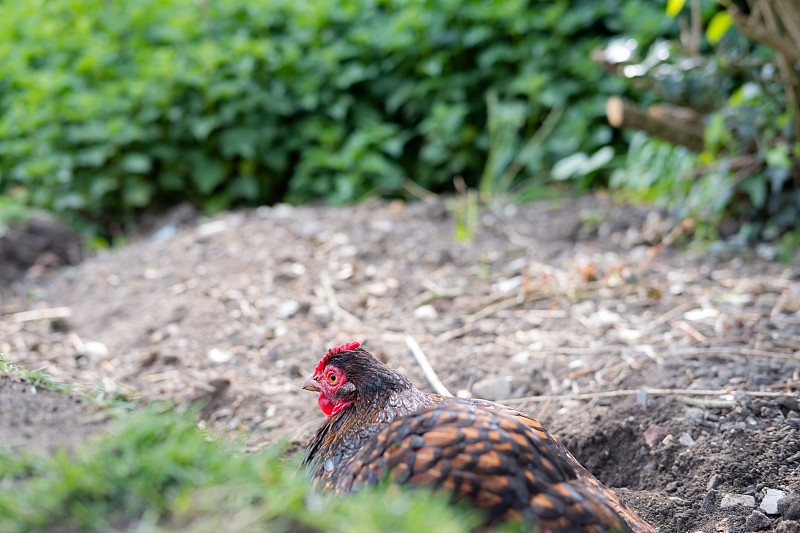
(156, 471)
(35, 377)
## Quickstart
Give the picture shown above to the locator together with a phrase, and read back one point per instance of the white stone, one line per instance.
(732, 500)
(521, 358)
(95, 351)
(492, 388)
(770, 502)
(377, 288)
(686, 439)
(425, 312)
(507, 285)
(211, 228)
(219, 356)
(288, 308)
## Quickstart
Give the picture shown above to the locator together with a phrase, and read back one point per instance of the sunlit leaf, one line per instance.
(778, 156)
(719, 24)
(570, 166)
(674, 7)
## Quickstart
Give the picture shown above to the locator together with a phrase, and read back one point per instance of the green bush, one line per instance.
(745, 185)
(155, 471)
(109, 107)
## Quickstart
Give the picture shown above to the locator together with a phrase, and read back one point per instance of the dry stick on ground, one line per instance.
(669, 315)
(634, 392)
(683, 226)
(330, 298)
(419, 355)
(691, 331)
(716, 350)
(707, 403)
(787, 384)
(426, 367)
(435, 292)
(41, 314)
(496, 305)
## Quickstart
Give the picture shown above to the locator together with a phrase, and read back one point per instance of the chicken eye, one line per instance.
(332, 378)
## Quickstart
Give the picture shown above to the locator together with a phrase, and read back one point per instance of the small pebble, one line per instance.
(788, 526)
(770, 502)
(789, 507)
(641, 398)
(521, 357)
(732, 500)
(426, 312)
(492, 388)
(219, 356)
(288, 308)
(654, 434)
(714, 482)
(789, 403)
(686, 439)
(757, 521)
(95, 351)
(507, 285)
(695, 413)
(708, 501)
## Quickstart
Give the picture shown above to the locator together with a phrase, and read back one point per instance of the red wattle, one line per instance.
(325, 404)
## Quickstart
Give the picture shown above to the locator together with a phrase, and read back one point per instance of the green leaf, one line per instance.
(778, 156)
(217, 203)
(136, 163)
(101, 185)
(69, 201)
(207, 174)
(170, 180)
(137, 192)
(245, 187)
(756, 189)
(239, 141)
(570, 166)
(599, 159)
(674, 7)
(719, 24)
(579, 164)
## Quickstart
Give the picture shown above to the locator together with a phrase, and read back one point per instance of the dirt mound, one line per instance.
(33, 418)
(39, 243)
(565, 311)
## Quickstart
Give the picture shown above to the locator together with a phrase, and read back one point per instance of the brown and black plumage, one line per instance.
(501, 460)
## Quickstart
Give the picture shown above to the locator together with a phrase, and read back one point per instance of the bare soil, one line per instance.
(567, 311)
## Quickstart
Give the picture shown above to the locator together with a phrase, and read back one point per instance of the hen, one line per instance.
(501, 460)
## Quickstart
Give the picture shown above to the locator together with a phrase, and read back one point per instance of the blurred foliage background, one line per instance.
(111, 108)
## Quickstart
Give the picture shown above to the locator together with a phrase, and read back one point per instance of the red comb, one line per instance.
(333, 351)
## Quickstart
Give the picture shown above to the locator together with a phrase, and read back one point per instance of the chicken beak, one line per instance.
(311, 384)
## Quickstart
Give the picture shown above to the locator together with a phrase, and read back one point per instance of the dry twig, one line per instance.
(426, 367)
(634, 392)
(722, 350)
(682, 227)
(787, 384)
(707, 403)
(691, 331)
(330, 298)
(669, 315)
(41, 314)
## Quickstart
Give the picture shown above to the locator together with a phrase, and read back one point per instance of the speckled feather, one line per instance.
(498, 458)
